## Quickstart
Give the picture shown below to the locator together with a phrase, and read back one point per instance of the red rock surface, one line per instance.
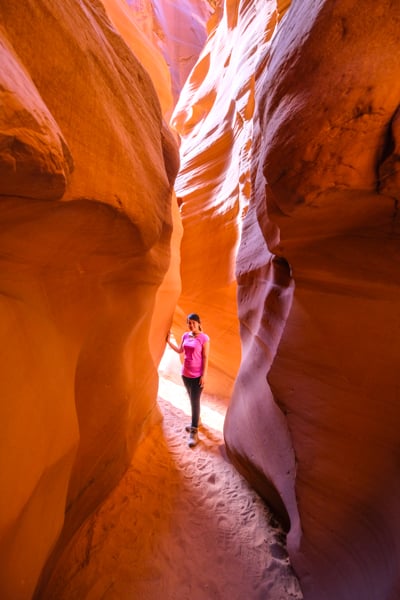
(180, 31)
(166, 36)
(86, 169)
(293, 116)
(320, 371)
(288, 193)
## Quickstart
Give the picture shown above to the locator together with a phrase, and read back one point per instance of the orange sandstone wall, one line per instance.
(328, 105)
(166, 36)
(290, 129)
(134, 21)
(180, 32)
(86, 169)
(214, 120)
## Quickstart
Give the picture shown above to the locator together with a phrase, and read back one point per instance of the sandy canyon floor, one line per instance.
(181, 525)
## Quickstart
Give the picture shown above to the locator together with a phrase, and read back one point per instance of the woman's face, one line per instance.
(193, 326)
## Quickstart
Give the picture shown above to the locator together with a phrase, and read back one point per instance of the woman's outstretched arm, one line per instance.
(178, 349)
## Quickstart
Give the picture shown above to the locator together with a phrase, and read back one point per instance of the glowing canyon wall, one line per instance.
(292, 111)
(87, 166)
(288, 199)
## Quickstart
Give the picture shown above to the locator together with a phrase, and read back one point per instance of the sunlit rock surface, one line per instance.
(214, 120)
(289, 130)
(134, 21)
(86, 169)
(330, 133)
(178, 30)
(288, 193)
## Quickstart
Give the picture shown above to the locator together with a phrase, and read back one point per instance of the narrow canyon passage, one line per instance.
(182, 524)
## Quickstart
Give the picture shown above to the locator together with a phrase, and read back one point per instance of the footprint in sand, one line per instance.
(201, 463)
(211, 479)
(192, 528)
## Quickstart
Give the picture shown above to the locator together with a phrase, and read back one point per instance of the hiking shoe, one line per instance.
(189, 427)
(193, 439)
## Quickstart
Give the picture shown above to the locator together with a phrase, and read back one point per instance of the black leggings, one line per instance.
(193, 388)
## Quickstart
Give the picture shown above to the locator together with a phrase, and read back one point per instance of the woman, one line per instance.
(195, 345)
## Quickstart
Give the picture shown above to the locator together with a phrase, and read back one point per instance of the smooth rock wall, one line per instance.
(86, 173)
(289, 127)
(328, 108)
(326, 102)
(214, 118)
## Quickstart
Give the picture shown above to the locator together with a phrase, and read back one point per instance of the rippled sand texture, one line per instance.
(181, 524)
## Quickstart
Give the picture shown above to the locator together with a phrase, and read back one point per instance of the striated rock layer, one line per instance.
(288, 193)
(289, 128)
(327, 104)
(179, 31)
(166, 36)
(86, 170)
(214, 120)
